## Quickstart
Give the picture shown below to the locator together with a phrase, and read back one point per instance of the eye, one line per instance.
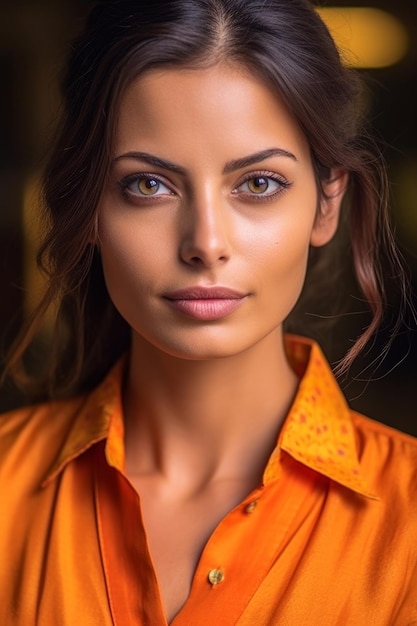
(262, 185)
(144, 185)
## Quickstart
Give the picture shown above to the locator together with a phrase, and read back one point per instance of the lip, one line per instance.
(205, 293)
(206, 303)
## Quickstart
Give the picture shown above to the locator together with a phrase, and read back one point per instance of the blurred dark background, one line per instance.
(34, 37)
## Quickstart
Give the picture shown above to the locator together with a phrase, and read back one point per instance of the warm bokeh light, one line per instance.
(366, 37)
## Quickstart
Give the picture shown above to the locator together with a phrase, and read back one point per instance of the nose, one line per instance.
(205, 235)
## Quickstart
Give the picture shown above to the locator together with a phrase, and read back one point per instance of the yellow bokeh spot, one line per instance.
(366, 37)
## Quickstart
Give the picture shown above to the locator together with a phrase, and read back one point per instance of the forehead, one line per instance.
(199, 109)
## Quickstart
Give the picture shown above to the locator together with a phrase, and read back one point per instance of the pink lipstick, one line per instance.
(205, 303)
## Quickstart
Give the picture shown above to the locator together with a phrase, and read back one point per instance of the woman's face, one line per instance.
(209, 212)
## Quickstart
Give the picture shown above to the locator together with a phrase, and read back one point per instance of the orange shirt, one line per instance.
(328, 539)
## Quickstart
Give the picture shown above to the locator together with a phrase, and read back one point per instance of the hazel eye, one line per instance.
(148, 186)
(144, 186)
(260, 186)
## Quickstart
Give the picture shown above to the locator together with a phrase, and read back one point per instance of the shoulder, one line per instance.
(385, 439)
(32, 436)
(38, 441)
(47, 416)
(387, 456)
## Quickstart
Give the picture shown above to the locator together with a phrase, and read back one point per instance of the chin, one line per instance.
(192, 347)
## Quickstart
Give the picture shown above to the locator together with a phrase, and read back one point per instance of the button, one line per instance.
(215, 576)
(251, 506)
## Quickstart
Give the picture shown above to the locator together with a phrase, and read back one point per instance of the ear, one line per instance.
(328, 212)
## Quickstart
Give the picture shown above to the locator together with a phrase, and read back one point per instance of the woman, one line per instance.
(202, 467)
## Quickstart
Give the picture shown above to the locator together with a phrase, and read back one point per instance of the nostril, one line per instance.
(197, 260)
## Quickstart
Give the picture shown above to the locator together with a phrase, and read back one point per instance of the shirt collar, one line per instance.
(99, 417)
(318, 431)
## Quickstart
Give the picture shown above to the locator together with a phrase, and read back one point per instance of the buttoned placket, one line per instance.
(233, 564)
(242, 550)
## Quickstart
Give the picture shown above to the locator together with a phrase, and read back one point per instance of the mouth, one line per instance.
(206, 303)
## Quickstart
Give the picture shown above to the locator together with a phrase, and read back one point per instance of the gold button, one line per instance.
(215, 576)
(251, 506)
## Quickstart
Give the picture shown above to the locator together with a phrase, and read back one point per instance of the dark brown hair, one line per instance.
(284, 43)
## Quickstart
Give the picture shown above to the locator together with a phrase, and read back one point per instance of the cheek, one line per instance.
(289, 235)
(283, 265)
(127, 263)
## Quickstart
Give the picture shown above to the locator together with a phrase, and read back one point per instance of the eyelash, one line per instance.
(125, 182)
(283, 183)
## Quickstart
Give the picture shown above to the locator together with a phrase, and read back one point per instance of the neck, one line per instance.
(220, 416)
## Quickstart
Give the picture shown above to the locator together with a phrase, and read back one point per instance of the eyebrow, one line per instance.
(231, 166)
(258, 157)
(152, 160)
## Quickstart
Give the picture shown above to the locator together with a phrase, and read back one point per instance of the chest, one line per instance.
(178, 529)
